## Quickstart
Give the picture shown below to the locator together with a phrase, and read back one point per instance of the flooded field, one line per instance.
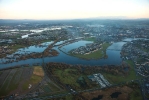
(62, 57)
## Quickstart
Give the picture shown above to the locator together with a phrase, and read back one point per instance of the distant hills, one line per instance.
(93, 18)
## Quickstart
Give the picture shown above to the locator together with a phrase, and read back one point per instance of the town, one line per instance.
(88, 49)
(74, 59)
(138, 52)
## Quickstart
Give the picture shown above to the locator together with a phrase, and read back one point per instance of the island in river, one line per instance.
(91, 51)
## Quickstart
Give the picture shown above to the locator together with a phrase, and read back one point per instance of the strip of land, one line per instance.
(101, 53)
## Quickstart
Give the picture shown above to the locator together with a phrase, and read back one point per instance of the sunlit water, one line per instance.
(113, 55)
(75, 45)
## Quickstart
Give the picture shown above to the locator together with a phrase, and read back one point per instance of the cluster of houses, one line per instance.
(143, 70)
(5, 45)
(138, 52)
(4, 50)
(89, 48)
(99, 78)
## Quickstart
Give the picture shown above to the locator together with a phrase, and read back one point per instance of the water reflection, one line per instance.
(116, 46)
(113, 56)
(74, 45)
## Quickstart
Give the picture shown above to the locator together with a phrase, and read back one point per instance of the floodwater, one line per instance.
(113, 55)
(74, 45)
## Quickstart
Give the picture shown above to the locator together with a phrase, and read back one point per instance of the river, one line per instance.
(112, 51)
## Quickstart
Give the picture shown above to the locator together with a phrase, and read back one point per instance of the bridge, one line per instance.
(115, 49)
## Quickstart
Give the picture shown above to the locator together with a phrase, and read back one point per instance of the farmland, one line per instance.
(17, 80)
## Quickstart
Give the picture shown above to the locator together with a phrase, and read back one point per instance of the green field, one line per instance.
(16, 47)
(115, 79)
(95, 55)
(35, 78)
(90, 39)
(0, 72)
(53, 87)
(136, 95)
(8, 83)
(49, 88)
(66, 77)
(69, 97)
(2, 32)
(72, 76)
(45, 41)
(46, 89)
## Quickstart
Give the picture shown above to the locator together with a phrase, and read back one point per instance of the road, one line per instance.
(78, 92)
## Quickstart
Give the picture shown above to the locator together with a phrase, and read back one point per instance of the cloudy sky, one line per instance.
(70, 9)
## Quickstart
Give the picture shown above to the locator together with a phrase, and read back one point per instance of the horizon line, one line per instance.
(90, 18)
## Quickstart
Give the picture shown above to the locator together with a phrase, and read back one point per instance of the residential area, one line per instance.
(138, 52)
(89, 48)
(76, 59)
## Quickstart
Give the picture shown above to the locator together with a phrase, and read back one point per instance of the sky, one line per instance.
(72, 9)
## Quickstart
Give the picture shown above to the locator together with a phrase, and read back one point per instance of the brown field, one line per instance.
(38, 71)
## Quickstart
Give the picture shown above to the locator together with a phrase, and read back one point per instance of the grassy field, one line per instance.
(8, 84)
(95, 55)
(49, 89)
(2, 32)
(71, 76)
(128, 92)
(66, 77)
(53, 87)
(45, 41)
(136, 95)
(16, 47)
(0, 72)
(69, 97)
(90, 39)
(33, 80)
(115, 79)
(36, 77)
